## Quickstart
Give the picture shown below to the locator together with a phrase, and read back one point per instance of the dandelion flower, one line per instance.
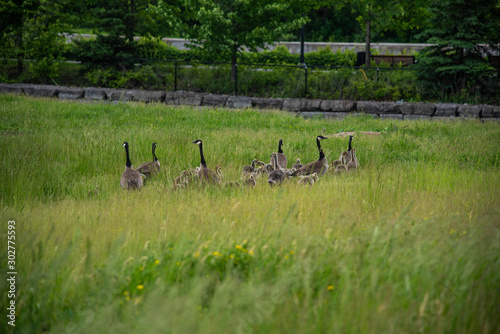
(157, 261)
(250, 252)
(140, 287)
(330, 287)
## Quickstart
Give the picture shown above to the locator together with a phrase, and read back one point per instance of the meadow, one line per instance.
(408, 243)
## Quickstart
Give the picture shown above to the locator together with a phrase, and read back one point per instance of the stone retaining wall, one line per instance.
(304, 107)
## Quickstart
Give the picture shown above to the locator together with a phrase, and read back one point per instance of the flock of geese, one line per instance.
(276, 170)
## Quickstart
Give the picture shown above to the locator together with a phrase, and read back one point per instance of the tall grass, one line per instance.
(407, 244)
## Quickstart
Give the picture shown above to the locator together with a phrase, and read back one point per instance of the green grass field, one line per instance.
(409, 243)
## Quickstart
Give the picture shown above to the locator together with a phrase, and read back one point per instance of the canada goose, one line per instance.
(297, 165)
(309, 179)
(319, 166)
(205, 174)
(151, 167)
(280, 156)
(277, 176)
(131, 179)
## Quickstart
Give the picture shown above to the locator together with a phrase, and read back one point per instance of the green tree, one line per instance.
(461, 34)
(382, 15)
(115, 24)
(225, 28)
(29, 29)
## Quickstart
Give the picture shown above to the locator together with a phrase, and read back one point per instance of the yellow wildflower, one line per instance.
(157, 261)
(140, 287)
(330, 287)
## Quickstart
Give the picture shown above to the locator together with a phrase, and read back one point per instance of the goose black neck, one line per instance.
(279, 147)
(154, 155)
(128, 164)
(350, 140)
(201, 155)
(321, 154)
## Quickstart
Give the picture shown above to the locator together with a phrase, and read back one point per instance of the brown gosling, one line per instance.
(277, 176)
(249, 169)
(351, 166)
(259, 163)
(218, 171)
(340, 169)
(250, 181)
(297, 165)
(232, 184)
(309, 179)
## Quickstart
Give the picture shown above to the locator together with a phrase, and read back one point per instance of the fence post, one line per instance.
(236, 79)
(175, 77)
(305, 68)
(378, 70)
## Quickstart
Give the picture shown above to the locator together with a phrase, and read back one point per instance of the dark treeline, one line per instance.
(464, 34)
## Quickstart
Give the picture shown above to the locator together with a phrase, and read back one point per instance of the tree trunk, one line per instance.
(131, 22)
(367, 47)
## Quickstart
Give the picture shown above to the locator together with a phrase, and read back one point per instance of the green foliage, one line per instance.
(30, 30)
(224, 28)
(116, 23)
(461, 34)
(106, 51)
(325, 57)
(155, 48)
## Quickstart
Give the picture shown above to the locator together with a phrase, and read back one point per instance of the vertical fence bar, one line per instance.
(236, 79)
(378, 70)
(175, 77)
(305, 68)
